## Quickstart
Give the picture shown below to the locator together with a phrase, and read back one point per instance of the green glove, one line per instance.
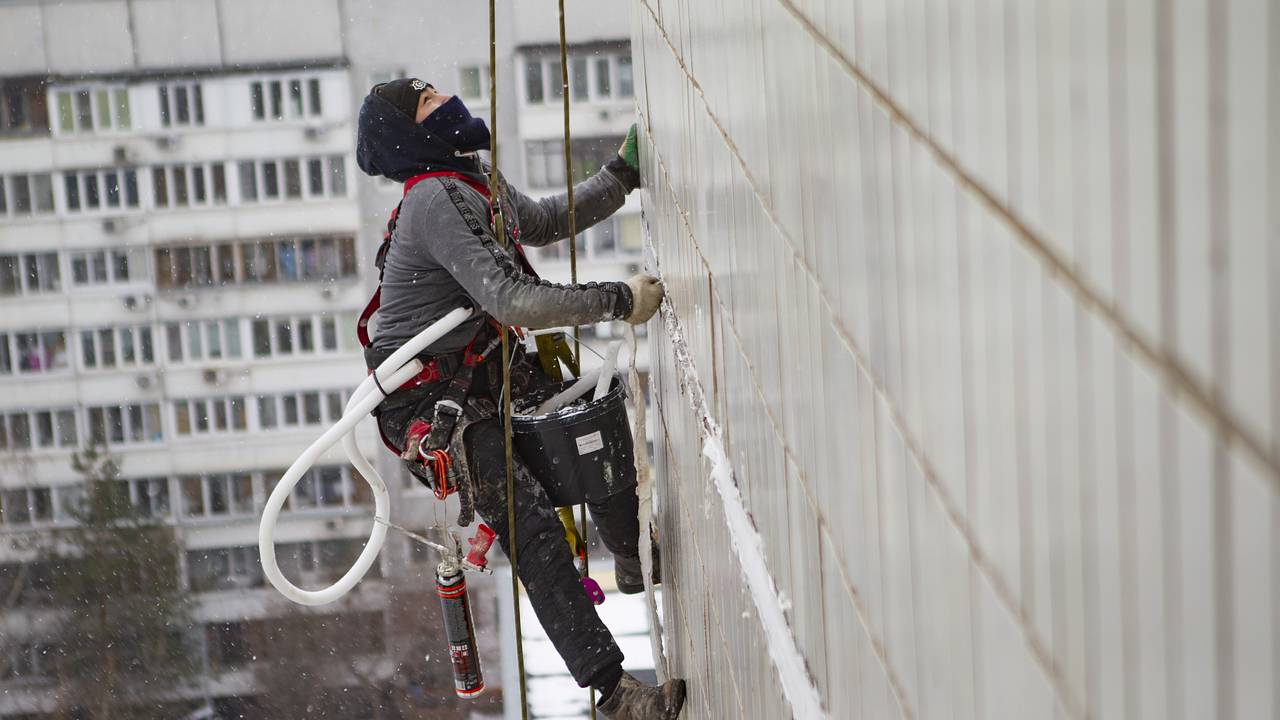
(630, 150)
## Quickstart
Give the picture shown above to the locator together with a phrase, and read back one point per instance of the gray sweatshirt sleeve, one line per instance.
(491, 276)
(545, 221)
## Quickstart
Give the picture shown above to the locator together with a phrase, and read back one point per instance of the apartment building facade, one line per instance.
(185, 244)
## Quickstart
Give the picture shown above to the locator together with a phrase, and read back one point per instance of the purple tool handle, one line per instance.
(593, 590)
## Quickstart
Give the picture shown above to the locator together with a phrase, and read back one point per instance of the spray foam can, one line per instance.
(459, 630)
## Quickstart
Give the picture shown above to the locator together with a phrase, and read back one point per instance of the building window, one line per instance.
(199, 340)
(322, 487)
(195, 266)
(337, 176)
(300, 259)
(626, 80)
(297, 409)
(473, 84)
(29, 274)
(294, 335)
(181, 104)
(604, 78)
(605, 240)
(101, 190)
(107, 267)
(208, 416)
(592, 76)
(94, 190)
(150, 496)
(125, 347)
(534, 89)
(23, 106)
(217, 495)
(93, 109)
(233, 568)
(268, 180)
(28, 429)
(33, 352)
(25, 507)
(25, 195)
(545, 159)
(544, 163)
(26, 662)
(195, 185)
(579, 86)
(287, 98)
(120, 424)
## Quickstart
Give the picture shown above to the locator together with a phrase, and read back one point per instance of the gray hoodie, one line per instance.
(436, 262)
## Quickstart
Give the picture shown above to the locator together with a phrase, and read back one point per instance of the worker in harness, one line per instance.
(441, 252)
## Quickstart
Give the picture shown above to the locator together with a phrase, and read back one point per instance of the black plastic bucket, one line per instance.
(580, 452)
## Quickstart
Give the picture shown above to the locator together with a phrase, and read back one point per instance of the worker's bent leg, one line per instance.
(618, 522)
(546, 564)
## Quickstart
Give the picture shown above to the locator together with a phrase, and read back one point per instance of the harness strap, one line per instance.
(468, 216)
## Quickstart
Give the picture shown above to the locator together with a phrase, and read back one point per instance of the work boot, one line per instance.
(629, 577)
(633, 701)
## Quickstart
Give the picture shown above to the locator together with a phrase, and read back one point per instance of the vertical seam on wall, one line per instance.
(1220, 361)
(863, 616)
(1170, 499)
(1171, 370)
(979, 559)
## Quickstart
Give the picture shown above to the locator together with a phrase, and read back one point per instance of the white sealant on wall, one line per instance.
(801, 692)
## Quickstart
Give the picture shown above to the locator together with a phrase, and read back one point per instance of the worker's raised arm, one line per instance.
(492, 277)
(547, 220)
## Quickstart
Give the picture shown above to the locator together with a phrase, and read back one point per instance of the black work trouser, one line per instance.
(545, 561)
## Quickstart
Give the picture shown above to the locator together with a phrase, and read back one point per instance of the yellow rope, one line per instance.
(573, 266)
(499, 228)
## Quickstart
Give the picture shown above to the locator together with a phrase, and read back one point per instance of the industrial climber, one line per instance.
(442, 252)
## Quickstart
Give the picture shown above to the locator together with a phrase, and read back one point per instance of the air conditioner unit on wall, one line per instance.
(134, 303)
(124, 155)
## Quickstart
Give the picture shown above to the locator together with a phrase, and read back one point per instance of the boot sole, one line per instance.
(634, 589)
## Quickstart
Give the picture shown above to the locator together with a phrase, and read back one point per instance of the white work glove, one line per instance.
(646, 296)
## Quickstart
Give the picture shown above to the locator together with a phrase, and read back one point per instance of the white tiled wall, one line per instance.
(982, 296)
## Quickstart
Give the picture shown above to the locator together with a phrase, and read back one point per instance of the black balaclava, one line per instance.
(453, 123)
(389, 143)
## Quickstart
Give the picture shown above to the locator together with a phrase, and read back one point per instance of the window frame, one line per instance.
(272, 97)
(117, 122)
(171, 112)
(150, 413)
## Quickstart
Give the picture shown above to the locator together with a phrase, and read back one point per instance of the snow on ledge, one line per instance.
(784, 653)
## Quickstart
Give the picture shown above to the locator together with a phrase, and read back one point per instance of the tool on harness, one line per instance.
(460, 631)
(553, 348)
(578, 546)
(451, 588)
(425, 447)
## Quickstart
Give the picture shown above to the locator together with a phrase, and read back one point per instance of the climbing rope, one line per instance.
(573, 272)
(499, 229)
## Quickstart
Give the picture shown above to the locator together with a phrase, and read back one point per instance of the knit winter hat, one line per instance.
(403, 93)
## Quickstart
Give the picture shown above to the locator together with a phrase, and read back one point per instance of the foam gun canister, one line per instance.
(460, 631)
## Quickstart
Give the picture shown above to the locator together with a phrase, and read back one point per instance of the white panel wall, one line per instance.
(983, 297)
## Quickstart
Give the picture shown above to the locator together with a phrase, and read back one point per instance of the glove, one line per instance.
(630, 150)
(646, 296)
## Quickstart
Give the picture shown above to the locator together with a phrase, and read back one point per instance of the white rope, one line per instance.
(644, 489)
